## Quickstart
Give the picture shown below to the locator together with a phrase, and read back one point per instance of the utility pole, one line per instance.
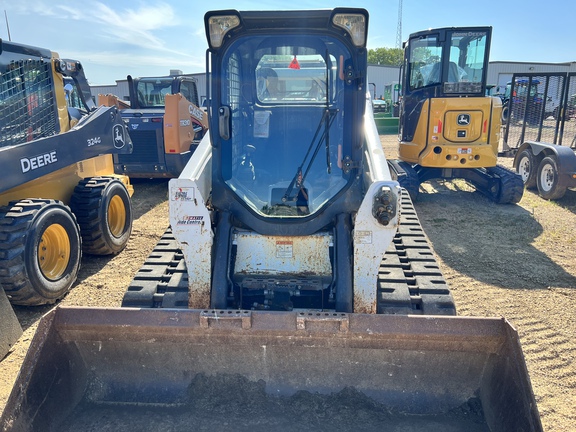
(7, 26)
(399, 28)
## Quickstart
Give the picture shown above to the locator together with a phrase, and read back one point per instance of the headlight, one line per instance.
(354, 24)
(218, 26)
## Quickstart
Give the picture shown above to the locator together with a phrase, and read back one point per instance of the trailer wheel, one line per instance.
(104, 212)
(527, 168)
(40, 251)
(547, 179)
(505, 114)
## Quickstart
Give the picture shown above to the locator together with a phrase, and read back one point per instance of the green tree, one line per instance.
(385, 56)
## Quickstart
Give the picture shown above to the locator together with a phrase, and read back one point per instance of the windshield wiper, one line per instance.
(326, 120)
(304, 168)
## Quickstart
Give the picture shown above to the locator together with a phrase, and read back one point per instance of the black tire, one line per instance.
(547, 179)
(527, 168)
(40, 251)
(505, 114)
(104, 212)
(409, 180)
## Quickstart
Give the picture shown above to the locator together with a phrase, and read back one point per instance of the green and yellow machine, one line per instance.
(59, 195)
(449, 128)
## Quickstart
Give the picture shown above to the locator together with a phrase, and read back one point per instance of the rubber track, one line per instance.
(409, 280)
(162, 282)
(511, 186)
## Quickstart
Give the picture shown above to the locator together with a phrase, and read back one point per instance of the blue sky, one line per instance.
(115, 38)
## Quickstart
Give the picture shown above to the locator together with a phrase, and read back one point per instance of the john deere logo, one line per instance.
(463, 119)
(119, 136)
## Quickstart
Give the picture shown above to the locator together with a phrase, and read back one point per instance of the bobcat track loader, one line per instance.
(296, 289)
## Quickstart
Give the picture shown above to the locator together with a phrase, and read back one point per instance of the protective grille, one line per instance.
(145, 148)
(27, 105)
(231, 93)
(542, 107)
(569, 130)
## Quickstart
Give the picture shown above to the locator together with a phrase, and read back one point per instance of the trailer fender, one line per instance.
(565, 159)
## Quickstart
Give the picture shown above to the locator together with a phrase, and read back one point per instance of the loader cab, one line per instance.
(150, 92)
(288, 104)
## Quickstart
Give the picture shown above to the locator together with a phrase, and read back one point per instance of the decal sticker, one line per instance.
(33, 163)
(470, 33)
(191, 220)
(261, 124)
(119, 139)
(94, 141)
(185, 123)
(363, 237)
(464, 150)
(135, 126)
(196, 112)
(463, 119)
(284, 249)
(182, 194)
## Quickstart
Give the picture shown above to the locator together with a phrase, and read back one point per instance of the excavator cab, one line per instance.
(449, 128)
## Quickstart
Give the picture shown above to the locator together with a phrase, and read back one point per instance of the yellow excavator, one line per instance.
(449, 128)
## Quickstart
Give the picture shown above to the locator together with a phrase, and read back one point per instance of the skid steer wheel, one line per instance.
(547, 179)
(527, 167)
(40, 251)
(102, 207)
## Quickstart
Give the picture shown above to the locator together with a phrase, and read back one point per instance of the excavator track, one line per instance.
(409, 281)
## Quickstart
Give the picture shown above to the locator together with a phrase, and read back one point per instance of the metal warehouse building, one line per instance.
(500, 72)
(381, 79)
(120, 89)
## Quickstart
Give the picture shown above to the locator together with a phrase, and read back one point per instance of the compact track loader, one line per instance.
(296, 288)
(165, 124)
(58, 194)
(449, 128)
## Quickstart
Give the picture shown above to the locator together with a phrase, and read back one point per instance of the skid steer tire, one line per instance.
(547, 179)
(104, 212)
(527, 168)
(40, 251)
